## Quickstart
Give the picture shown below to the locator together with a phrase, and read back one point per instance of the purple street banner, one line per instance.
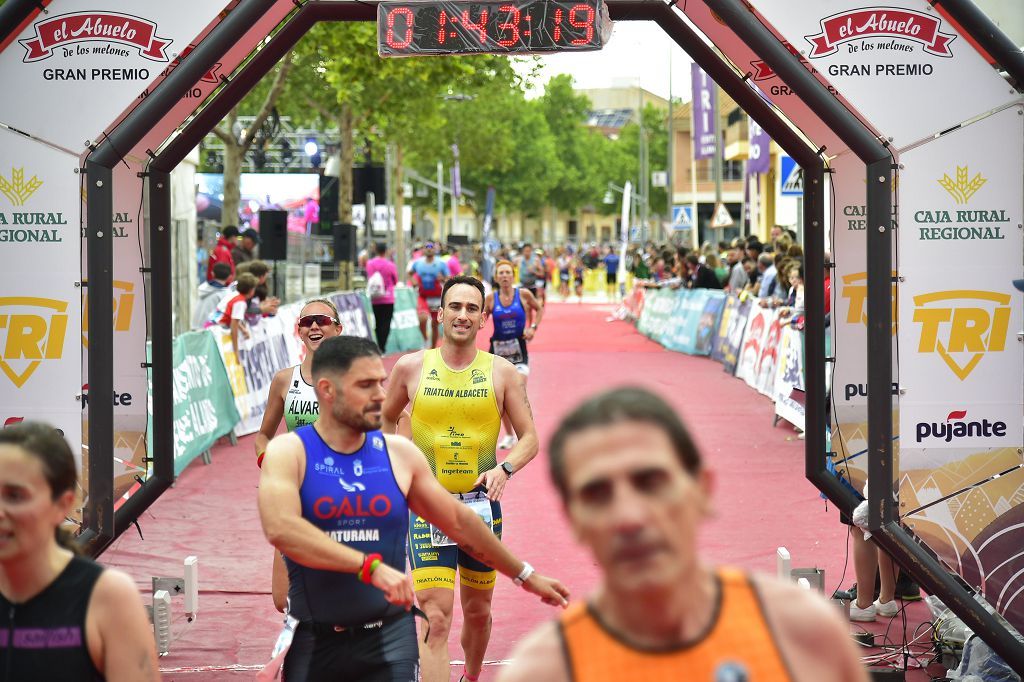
(758, 148)
(705, 114)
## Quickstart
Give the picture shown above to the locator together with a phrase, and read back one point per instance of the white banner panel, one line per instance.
(80, 65)
(961, 244)
(900, 64)
(40, 304)
(849, 316)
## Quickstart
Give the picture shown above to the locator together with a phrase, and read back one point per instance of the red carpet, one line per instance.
(762, 502)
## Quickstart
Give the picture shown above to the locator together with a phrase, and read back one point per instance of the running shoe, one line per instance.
(507, 443)
(862, 615)
(887, 609)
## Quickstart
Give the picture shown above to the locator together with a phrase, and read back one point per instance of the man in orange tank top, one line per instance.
(635, 491)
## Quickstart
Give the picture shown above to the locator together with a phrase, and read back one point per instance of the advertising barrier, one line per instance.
(788, 389)
(694, 321)
(731, 331)
(204, 408)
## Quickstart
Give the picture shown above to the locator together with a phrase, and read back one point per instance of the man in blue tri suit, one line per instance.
(429, 273)
(335, 498)
(516, 314)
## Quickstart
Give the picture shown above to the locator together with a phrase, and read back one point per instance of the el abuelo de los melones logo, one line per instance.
(80, 35)
(874, 29)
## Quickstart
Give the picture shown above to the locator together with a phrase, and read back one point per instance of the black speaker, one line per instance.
(273, 235)
(368, 179)
(344, 243)
(328, 203)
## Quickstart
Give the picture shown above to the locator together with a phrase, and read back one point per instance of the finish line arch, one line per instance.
(810, 121)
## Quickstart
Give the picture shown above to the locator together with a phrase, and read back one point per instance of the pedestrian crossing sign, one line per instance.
(792, 177)
(682, 217)
(721, 217)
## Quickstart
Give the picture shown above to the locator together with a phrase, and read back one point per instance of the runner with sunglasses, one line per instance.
(293, 397)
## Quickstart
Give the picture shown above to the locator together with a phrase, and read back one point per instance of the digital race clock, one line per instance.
(460, 27)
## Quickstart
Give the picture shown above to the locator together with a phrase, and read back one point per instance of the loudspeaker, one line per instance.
(368, 179)
(328, 203)
(344, 243)
(273, 235)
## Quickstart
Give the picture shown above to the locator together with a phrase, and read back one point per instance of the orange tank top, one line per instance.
(738, 644)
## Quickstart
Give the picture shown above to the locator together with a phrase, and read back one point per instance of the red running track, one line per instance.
(762, 501)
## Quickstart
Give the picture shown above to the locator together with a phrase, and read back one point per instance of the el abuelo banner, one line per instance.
(40, 293)
(899, 63)
(961, 361)
(82, 63)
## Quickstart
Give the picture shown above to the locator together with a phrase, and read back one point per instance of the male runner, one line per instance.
(635, 491)
(430, 271)
(458, 396)
(530, 269)
(334, 498)
(516, 314)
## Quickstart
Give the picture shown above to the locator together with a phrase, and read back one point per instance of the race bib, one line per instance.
(477, 502)
(509, 349)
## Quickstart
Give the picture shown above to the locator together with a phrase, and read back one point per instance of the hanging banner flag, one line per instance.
(705, 114)
(758, 148)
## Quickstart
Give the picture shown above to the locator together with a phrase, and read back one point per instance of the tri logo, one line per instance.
(962, 326)
(32, 330)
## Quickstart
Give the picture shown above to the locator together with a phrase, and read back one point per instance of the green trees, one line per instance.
(538, 153)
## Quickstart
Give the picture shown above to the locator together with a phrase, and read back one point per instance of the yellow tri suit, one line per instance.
(455, 424)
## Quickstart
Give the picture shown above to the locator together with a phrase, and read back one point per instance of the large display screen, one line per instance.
(525, 26)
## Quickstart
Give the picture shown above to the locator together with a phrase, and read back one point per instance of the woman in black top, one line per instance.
(62, 617)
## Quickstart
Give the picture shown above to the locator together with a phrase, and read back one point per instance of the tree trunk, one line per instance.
(347, 154)
(233, 154)
(399, 199)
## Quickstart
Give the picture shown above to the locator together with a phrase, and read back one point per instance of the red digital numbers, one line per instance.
(587, 23)
(442, 27)
(480, 27)
(390, 37)
(511, 24)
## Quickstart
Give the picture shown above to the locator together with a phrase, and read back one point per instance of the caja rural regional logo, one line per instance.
(32, 330)
(112, 28)
(962, 326)
(880, 22)
(962, 189)
(17, 189)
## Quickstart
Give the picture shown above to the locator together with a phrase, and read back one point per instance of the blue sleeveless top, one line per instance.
(509, 322)
(355, 499)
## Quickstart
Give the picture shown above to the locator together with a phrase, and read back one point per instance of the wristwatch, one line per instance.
(507, 468)
(524, 575)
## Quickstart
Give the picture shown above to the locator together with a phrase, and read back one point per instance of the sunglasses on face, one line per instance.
(320, 320)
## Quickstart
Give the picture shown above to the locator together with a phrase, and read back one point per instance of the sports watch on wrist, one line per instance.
(507, 468)
(524, 575)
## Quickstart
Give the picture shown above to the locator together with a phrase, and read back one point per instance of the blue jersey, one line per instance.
(355, 499)
(510, 321)
(611, 262)
(428, 274)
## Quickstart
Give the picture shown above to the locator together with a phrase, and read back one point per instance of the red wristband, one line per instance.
(370, 562)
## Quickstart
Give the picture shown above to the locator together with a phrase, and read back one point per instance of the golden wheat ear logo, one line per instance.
(962, 189)
(16, 189)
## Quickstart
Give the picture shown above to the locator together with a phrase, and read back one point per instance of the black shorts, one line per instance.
(612, 277)
(384, 654)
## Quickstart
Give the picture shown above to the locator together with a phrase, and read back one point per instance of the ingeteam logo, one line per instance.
(962, 325)
(111, 28)
(32, 330)
(855, 290)
(962, 189)
(17, 189)
(124, 302)
(956, 426)
(880, 22)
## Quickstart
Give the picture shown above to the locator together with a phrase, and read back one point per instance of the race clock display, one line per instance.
(524, 26)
